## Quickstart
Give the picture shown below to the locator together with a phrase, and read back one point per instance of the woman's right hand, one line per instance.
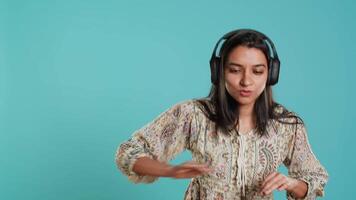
(188, 169)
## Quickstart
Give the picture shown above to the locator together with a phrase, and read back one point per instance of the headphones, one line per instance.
(273, 66)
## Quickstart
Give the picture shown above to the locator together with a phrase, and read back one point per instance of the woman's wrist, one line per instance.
(297, 188)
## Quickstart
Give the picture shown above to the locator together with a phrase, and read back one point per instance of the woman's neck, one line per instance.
(245, 111)
(246, 118)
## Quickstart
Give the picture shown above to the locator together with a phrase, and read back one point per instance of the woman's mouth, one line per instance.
(245, 93)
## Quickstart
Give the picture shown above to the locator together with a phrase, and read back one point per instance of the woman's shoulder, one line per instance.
(194, 103)
(284, 115)
(185, 107)
(194, 106)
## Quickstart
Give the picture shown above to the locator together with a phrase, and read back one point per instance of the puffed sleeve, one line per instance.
(161, 139)
(303, 165)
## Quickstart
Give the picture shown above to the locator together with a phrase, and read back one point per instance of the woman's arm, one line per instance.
(306, 176)
(160, 141)
(303, 166)
(297, 188)
(147, 166)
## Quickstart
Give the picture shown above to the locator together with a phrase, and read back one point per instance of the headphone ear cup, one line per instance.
(273, 72)
(214, 64)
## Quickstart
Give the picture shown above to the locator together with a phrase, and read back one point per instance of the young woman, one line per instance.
(238, 135)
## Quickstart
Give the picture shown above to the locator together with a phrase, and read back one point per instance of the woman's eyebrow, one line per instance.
(235, 64)
(239, 65)
(260, 65)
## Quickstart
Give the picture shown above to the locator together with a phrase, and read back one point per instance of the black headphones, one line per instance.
(273, 66)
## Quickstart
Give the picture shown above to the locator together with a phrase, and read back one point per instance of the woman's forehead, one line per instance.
(246, 56)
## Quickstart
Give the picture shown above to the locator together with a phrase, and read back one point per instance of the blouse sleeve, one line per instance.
(303, 165)
(161, 139)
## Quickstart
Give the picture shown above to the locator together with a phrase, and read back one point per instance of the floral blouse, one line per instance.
(240, 161)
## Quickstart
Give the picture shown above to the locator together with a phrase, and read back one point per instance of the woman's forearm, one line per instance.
(150, 167)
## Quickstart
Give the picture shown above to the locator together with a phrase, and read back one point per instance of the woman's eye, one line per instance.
(258, 72)
(234, 70)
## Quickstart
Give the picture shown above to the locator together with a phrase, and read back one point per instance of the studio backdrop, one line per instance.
(77, 78)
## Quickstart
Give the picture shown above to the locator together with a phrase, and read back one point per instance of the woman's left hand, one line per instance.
(277, 181)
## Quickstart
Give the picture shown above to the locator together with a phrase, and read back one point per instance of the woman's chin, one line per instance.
(245, 100)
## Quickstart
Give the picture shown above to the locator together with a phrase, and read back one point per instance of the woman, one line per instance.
(238, 135)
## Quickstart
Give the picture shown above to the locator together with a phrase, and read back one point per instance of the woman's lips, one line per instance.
(245, 93)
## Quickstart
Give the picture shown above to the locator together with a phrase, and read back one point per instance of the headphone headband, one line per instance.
(234, 33)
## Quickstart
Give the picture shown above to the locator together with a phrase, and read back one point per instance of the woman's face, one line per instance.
(246, 74)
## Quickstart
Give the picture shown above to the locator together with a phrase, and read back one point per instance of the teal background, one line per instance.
(77, 78)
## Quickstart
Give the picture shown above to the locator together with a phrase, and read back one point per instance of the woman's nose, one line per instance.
(246, 79)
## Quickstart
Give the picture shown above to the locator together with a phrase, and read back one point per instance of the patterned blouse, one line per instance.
(240, 161)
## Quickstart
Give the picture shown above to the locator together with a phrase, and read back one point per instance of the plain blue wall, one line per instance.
(77, 78)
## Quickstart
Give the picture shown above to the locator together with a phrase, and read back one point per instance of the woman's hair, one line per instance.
(220, 107)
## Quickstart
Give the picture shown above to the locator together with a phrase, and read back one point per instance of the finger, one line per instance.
(187, 173)
(268, 178)
(179, 170)
(203, 169)
(194, 174)
(192, 169)
(272, 182)
(200, 167)
(186, 170)
(193, 164)
(283, 186)
(277, 183)
(183, 173)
